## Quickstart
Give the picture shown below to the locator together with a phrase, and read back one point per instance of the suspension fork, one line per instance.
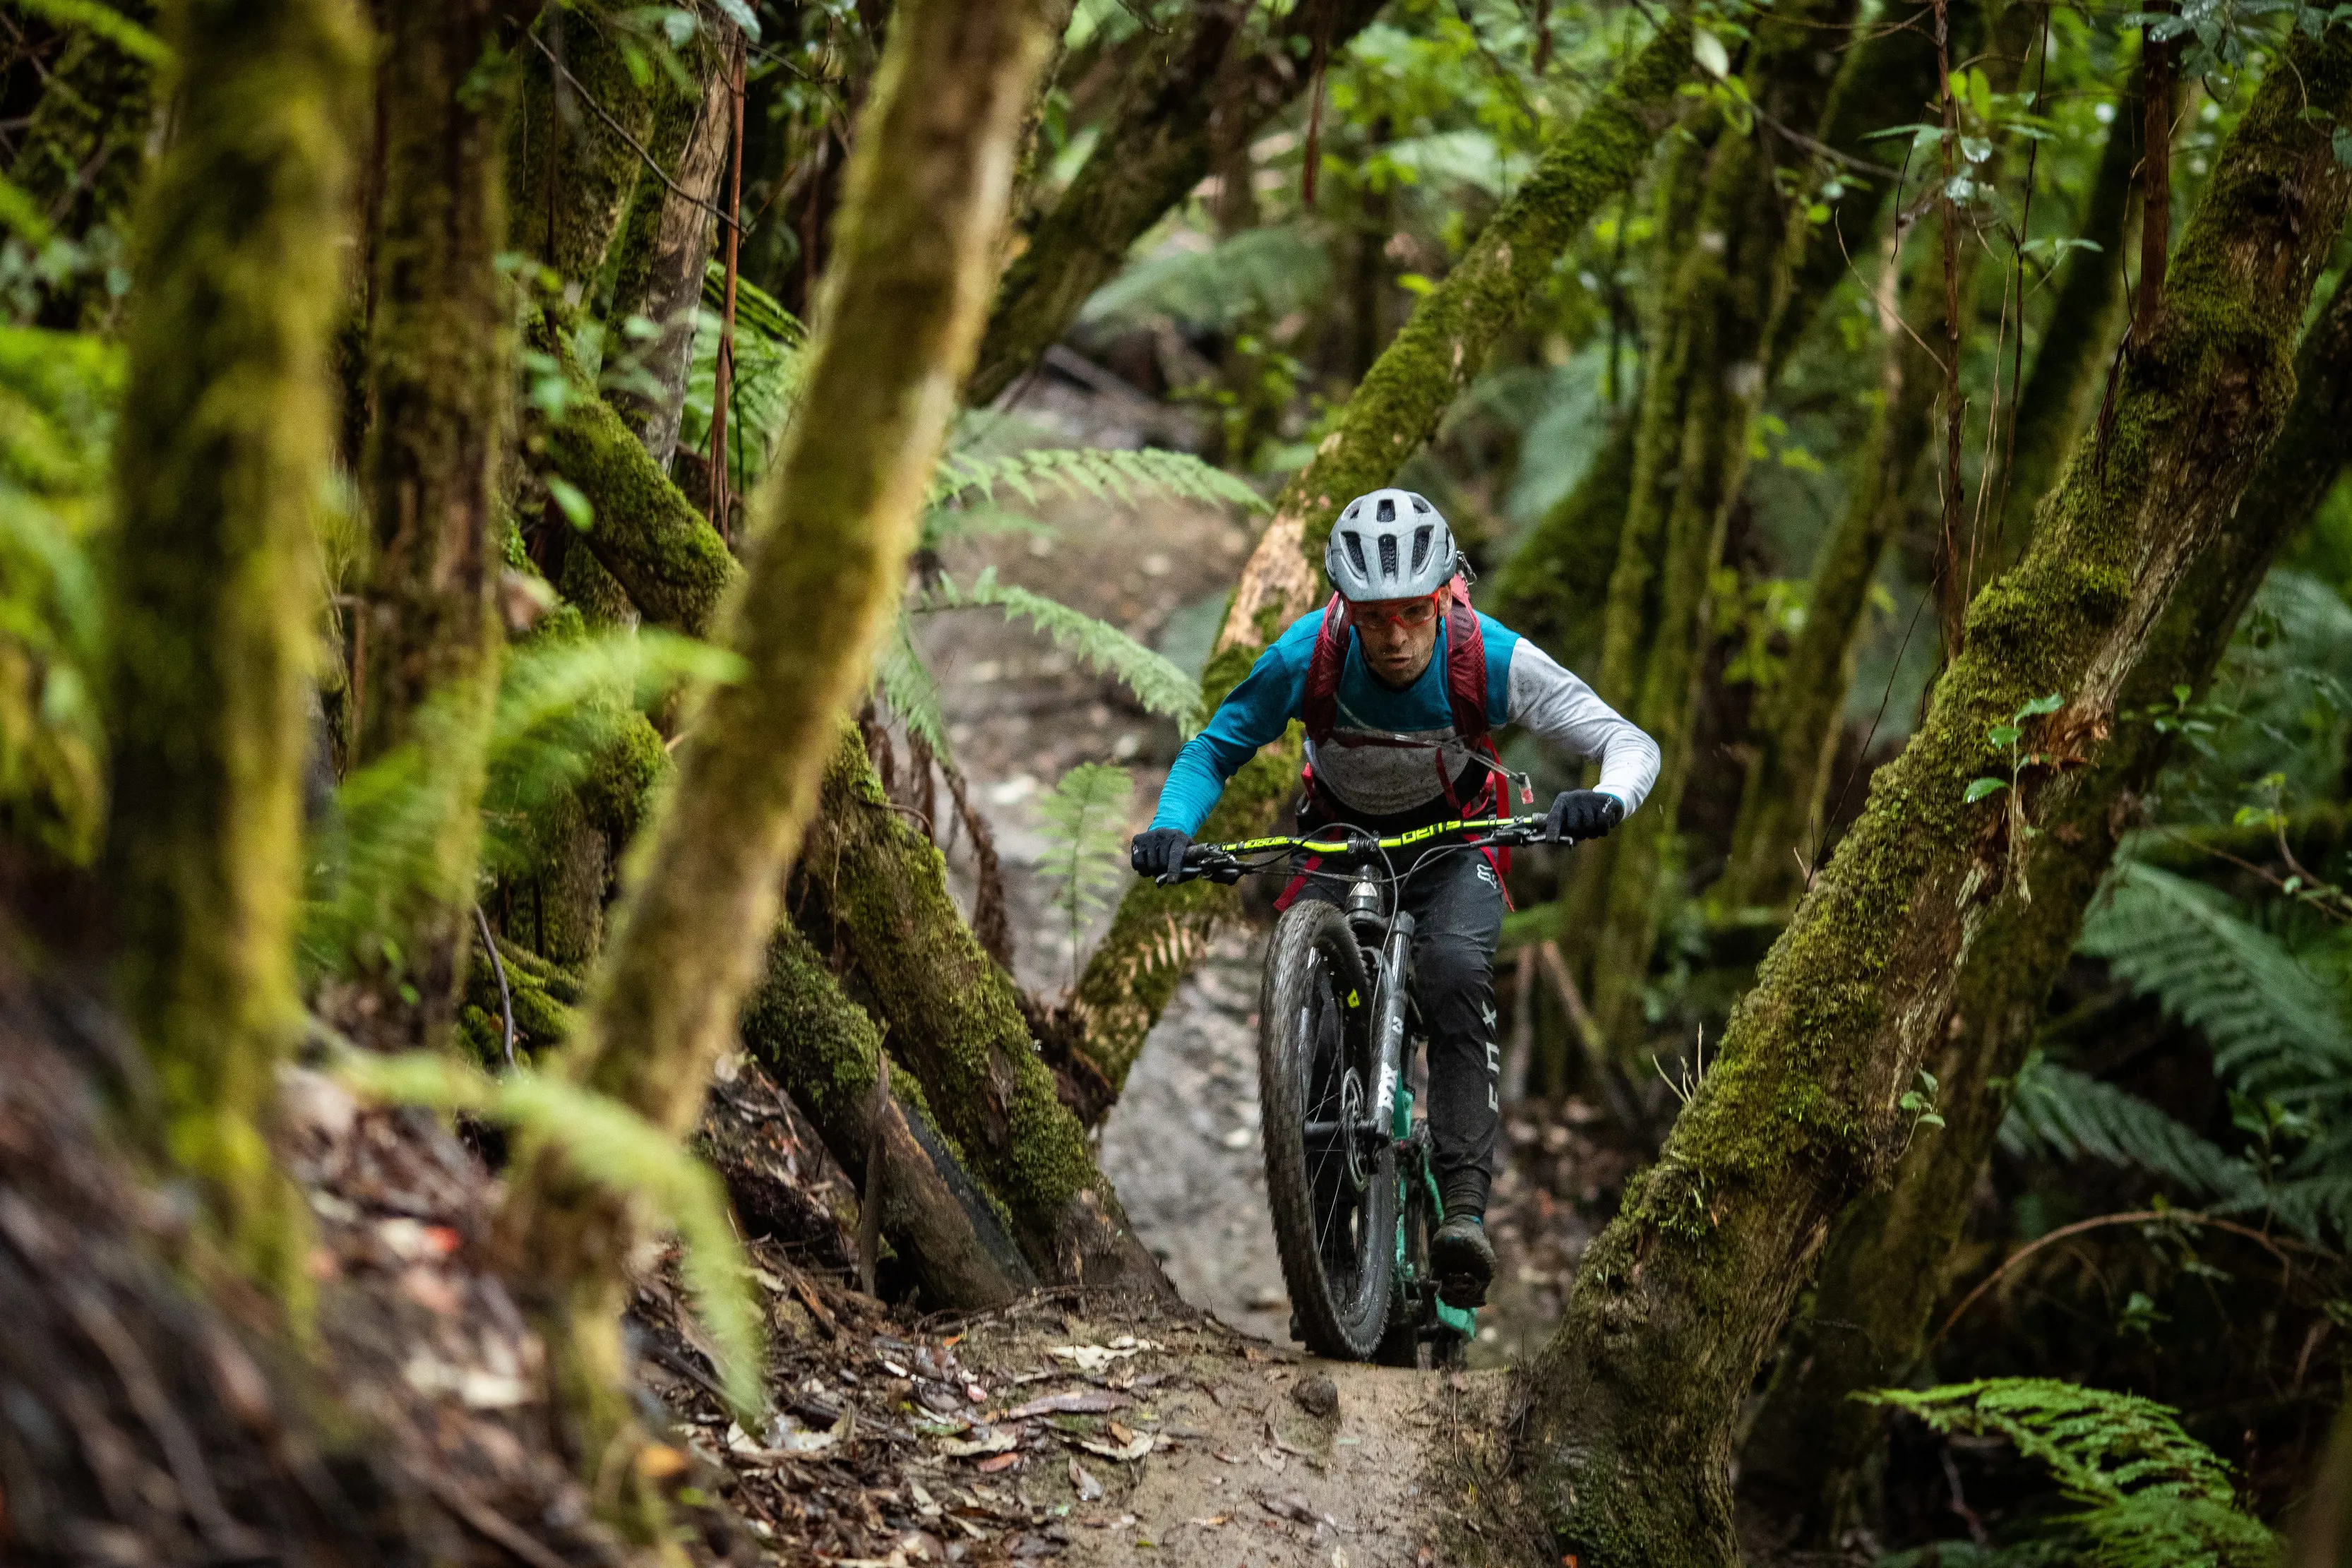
(1396, 978)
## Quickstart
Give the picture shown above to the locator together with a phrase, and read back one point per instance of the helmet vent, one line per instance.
(1388, 553)
(1421, 503)
(1354, 542)
(1420, 544)
(1349, 514)
(1386, 512)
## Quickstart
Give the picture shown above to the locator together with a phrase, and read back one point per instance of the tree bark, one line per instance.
(1886, 1262)
(927, 186)
(826, 1053)
(441, 358)
(223, 449)
(571, 166)
(1201, 91)
(1678, 1301)
(1720, 297)
(875, 888)
(1158, 933)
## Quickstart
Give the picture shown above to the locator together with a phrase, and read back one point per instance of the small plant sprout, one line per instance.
(1684, 1083)
(1918, 1103)
(1086, 824)
(2010, 736)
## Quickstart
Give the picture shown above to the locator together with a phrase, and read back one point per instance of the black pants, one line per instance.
(1456, 903)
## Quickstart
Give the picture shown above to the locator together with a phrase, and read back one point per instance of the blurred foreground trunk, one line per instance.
(831, 528)
(1680, 1300)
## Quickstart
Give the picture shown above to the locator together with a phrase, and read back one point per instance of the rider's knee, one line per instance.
(1450, 966)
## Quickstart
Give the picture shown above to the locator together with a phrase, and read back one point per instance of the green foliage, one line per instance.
(2056, 1113)
(1259, 274)
(103, 20)
(57, 393)
(1159, 685)
(2147, 1495)
(1089, 473)
(1086, 833)
(612, 1146)
(764, 387)
(558, 702)
(2274, 1025)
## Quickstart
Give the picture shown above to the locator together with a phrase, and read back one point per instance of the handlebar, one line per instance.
(1225, 863)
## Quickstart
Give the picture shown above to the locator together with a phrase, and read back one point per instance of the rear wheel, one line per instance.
(1331, 1178)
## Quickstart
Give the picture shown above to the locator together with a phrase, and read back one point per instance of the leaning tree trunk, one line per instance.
(223, 449)
(1725, 288)
(425, 646)
(1555, 587)
(1679, 1301)
(1199, 92)
(1158, 933)
(874, 887)
(833, 526)
(1886, 1264)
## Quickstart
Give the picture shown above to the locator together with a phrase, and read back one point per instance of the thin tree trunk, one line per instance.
(570, 167)
(441, 358)
(1158, 933)
(1678, 1301)
(1885, 1263)
(1555, 587)
(927, 186)
(1723, 292)
(875, 887)
(224, 446)
(826, 1053)
(1197, 95)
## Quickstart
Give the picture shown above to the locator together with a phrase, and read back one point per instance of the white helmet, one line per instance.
(1391, 544)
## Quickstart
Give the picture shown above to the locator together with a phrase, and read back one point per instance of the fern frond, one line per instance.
(2149, 1492)
(905, 684)
(618, 1149)
(1085, 823)
(1265, 272)
(2272, 1024)
(1121, 478)
(1159, 685)
(2059, 1113)
(765, 384)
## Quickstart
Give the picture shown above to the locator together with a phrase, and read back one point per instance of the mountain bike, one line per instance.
(1349, 1173)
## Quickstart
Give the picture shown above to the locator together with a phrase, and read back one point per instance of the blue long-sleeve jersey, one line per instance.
(1524, 687)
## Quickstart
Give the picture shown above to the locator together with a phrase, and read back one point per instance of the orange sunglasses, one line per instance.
(1414, 613)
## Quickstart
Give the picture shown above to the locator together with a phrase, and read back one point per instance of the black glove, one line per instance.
(1583, 814)
(1157, 852)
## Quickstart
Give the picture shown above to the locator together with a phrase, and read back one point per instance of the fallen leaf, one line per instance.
(1001, 1462)
(1080, 1401)
(990, 1440)
(1137, 1445)
(659, 1461)
(1214, 1521)
(1089, 1487)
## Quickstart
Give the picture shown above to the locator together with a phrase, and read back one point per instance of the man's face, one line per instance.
(1399, 636)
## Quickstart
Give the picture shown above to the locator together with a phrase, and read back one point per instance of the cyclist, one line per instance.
(1397, 681)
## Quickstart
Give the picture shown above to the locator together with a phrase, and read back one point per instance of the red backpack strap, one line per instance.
(1465, 667)
(1318, 705)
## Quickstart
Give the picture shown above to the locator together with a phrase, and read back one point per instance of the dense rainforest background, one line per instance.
(590, 592)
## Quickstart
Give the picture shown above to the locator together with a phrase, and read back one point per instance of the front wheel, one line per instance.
(1331, 1175)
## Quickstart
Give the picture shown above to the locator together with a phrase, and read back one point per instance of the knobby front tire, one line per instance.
(1317, 1067)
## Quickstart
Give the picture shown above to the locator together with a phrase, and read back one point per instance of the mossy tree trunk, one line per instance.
(875, 888)
(1886, 1262)
(1158, 933)
(1156, 147)
(825, 1051)
(1555, 587)
(80, 161)
(223, 446)
(1681, 1298)
(441, 358)
(833, 525)
(571, 168)
(1720, 297)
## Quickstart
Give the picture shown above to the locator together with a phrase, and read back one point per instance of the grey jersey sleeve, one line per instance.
(1553, 703)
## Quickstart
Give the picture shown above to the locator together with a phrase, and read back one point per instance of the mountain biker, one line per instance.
(1397, 681)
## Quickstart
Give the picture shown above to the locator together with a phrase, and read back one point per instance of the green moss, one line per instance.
(80, 159)
(225, 440)
(570, 169)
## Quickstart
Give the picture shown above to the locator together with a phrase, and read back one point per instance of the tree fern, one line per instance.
(1263, 273)
(765, 385)
(1086, 833)
(2274, 1025)
(1097, 474)
(1159, 685)
(616, 1148)
(2149, 1495)
(2059, 1113)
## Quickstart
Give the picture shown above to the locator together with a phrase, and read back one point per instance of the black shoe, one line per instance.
(1464, 1261)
